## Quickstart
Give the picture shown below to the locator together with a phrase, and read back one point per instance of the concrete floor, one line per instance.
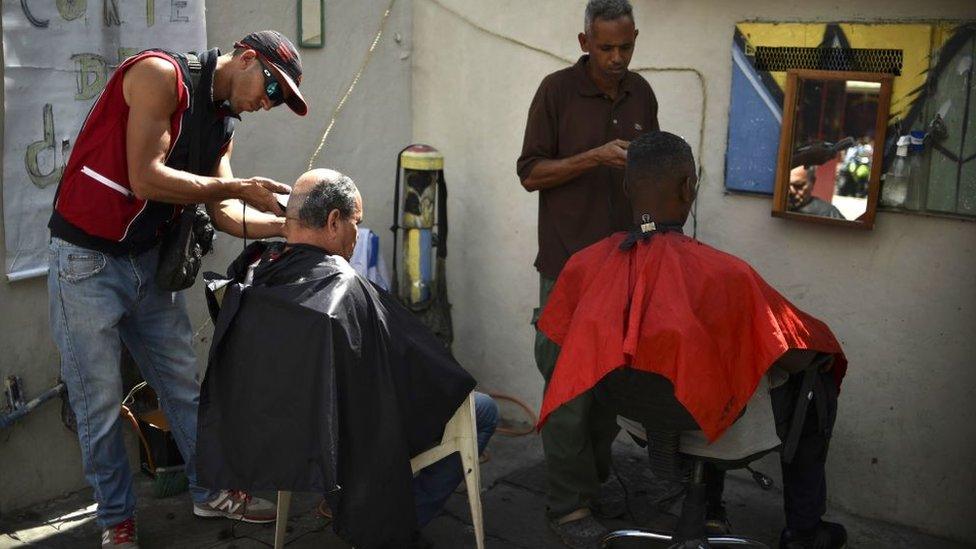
(514, 510)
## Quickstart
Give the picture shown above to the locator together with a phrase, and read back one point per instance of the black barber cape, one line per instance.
(319, 381)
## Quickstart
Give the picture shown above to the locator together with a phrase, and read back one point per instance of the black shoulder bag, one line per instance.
(191, 236)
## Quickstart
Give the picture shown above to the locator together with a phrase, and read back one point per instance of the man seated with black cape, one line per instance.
(666, 329)
(319, 381)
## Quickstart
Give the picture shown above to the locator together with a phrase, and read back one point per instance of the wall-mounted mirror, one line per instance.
(829, 165)
(311, 23)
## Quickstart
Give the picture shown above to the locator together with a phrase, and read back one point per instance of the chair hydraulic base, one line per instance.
(690, 531)
(638, 538)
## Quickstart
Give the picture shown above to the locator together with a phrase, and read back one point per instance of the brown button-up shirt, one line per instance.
(570, 115)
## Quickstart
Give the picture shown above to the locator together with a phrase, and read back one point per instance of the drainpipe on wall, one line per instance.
(19, 407)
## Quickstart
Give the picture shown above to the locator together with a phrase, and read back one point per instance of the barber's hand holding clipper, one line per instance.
(613, 153)
(549, 172)
(262, 193)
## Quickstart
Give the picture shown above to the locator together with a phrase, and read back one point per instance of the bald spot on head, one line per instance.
(304, 185)
(802, 174)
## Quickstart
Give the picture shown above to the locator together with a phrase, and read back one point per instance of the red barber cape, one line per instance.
(673, 306)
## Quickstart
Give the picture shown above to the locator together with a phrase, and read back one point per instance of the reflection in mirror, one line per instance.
(311, 27)
(829, 142)
(837, 119)
(803, 180)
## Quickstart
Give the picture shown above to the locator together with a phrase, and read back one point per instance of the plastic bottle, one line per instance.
(915, 175)
(896, 183)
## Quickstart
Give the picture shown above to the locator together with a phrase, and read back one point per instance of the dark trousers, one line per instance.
(804, 478)
(576, 438)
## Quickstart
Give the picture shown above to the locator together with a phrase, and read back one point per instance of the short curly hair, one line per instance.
(659, 155)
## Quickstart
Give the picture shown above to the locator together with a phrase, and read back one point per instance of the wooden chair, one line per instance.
(460, 435)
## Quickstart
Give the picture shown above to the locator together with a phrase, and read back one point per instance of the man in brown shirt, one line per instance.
(580, 123)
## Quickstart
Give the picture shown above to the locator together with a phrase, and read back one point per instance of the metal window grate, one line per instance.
(830, 59)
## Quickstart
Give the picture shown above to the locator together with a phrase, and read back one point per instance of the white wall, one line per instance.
(901, 298)
(39, 459)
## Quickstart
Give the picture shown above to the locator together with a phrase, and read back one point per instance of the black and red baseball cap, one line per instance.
(278, 50)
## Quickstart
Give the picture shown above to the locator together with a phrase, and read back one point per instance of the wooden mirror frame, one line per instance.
(866, 221)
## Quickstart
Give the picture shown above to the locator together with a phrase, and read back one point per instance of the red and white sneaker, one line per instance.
(237, 505)
(121, 536)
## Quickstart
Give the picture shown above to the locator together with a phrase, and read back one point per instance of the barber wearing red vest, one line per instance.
(159, 137)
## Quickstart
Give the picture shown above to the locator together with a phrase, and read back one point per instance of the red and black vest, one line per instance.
(94, 206)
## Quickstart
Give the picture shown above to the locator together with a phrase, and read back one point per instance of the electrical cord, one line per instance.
(234, 536)
(244, 223)
(132, 392)
(233, 529)
(312, 531)
(130, 416)
(516, 432)
(127, 413)
(352, 85)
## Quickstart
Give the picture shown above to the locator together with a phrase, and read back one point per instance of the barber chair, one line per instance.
(460, 435)
(679, 451)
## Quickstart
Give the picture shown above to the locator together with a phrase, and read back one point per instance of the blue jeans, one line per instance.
(97, 300)
(435, 483)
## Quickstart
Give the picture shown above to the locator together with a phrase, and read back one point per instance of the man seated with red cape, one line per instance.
(653, 306)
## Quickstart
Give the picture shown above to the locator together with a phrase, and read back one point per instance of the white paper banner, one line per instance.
(58, 55)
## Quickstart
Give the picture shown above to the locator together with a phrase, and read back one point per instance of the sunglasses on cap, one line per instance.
(273, 89)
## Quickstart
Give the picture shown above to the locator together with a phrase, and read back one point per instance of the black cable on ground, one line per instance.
(234, 536)
(233, 530)
(307, 532)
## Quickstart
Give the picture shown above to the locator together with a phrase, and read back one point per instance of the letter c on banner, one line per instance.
(68, 9)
